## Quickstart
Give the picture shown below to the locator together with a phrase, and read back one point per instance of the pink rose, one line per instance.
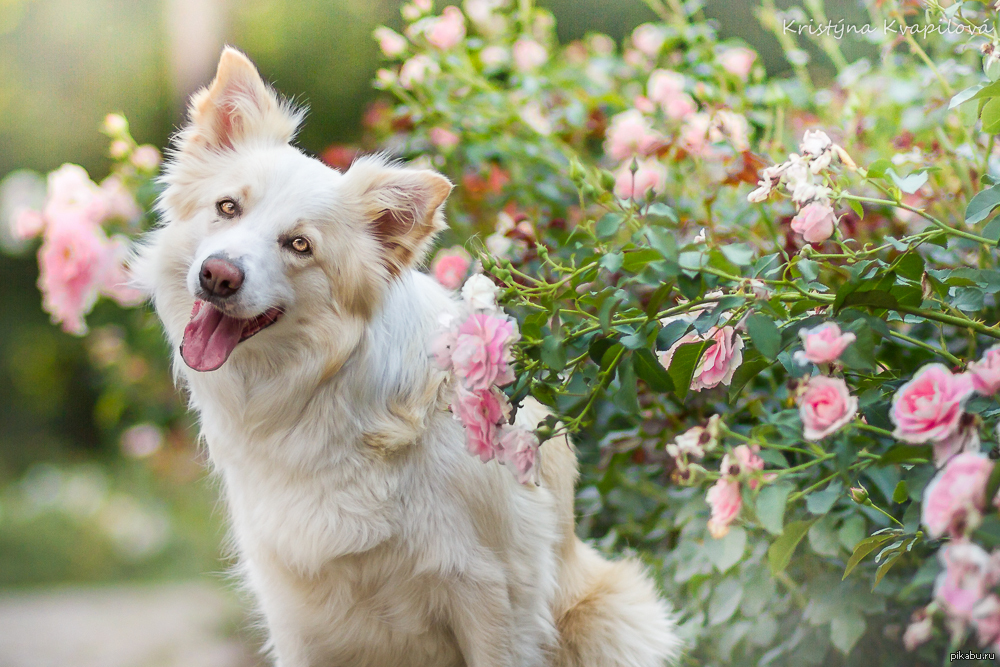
(117, 283)
(447, 30)
(815, 221)
(929, 407)
(823, 344)
(718, 363)
(118, 201)
(649, 38)
(825, 407)
(391, 42)
(664, 85)
(443, 344)
(919, 631)
(986, 618)
(725, 501)
(964, 439)
(519, 448)
(73, 263)
(694, 134)
(737, 61)
(651, 175)
(443, 138)
(629, 134)
(481, 412)
(985, 373)
(968, 574)
(742, 462)
(528, 55)
(451, 266)
(680, 106)
(482, 351)
(955, 498)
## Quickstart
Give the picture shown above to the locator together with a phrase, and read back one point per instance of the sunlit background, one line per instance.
(111, 542)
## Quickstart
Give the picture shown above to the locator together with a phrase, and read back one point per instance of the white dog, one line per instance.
(364, 528)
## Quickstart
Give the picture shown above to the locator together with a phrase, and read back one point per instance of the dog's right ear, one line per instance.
(238, 106)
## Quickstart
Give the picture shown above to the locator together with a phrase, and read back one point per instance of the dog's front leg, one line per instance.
(482, 620)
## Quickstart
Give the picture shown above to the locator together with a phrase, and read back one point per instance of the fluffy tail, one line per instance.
(611, 616)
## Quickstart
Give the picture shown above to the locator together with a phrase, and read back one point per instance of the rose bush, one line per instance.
(764, 307)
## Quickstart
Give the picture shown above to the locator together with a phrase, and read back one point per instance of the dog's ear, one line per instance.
(402, 208)
(238, 106)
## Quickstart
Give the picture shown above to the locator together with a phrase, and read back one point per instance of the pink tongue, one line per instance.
(209, 338)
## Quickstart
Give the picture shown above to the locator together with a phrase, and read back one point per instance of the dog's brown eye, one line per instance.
(300, 245)
(228, 208)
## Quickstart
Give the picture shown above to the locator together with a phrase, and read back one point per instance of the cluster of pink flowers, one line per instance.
(451, 266)
(825, 403)
(77, 261)
(816, 220)
(719, 361)
(823, 344)
(477, 351)
(724, 498)
(694, 444)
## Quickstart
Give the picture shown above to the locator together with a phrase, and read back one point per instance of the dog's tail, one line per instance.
(610, 615)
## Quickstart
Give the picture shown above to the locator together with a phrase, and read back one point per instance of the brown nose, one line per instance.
(220, 277)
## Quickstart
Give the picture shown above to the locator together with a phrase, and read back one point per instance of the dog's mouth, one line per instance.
(211, 335)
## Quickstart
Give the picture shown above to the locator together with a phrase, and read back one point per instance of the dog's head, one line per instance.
(259, 239)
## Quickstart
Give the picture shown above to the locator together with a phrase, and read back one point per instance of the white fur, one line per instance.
(368, 534)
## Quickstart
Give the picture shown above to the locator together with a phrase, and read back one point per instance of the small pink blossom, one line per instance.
(643, 104)
(118, 201)
(651, 175)
(737, 61)
(956, 497)
(823, 344)
(416, 70)
(985, 373)
(825, 407)
(815, 222)
(443, 344)
(115, 124)
(718, 363)
(443, 138)
(494, 56)
(528, 55)
(919, 631)
(391, 42)
(929, 407)
(986, 618)
(451, 266)
(649, 38)
(447, 30)
(117, 283)
(481, 412)
(742, 462)
(146, 158)
(629, 134)
(519, 448)
(725, 501)
(664, 85)
(694, 134)
(482, 354)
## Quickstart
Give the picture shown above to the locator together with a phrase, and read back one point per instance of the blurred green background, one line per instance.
(72, 507)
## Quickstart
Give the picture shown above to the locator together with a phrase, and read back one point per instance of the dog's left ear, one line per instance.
(402, 207)
(238, 106)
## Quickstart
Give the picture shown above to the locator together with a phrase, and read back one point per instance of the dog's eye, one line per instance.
(300, 244)
(227, 208)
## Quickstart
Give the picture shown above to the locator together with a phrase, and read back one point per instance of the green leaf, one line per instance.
(878, 168)
(683, 365)
(911, 266)
(865, 547)
(661, 210)
(963, 96)
(847, 629)
(910, 183)
(611, 262)
(648, 367)
(820, 502)
(779, 554)
(765, 335)
(991, 116)
(740, 254)
(871, 298)
(982, 205)
(993, 482)
(598, 347)
(771, 507)
(608, 225)
(901, 493)
(626, 397)
(635, 260)
(891, 557)
(728, 550)
(901, 453)
(753, 364)
(553, 353)
(857, 207)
